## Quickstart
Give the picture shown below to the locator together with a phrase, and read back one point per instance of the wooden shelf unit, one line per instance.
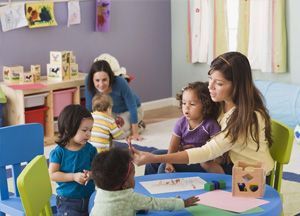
(14, 109)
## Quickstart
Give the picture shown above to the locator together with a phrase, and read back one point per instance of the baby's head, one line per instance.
(209, 109)
(102, 103)
(113, 170)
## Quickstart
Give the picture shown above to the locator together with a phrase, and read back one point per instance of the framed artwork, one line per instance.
(102, 15)
(40, 14)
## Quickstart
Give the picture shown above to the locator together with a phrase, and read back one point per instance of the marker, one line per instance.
(130, 145)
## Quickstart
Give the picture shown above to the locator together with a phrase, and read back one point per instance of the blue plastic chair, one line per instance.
(18, 144)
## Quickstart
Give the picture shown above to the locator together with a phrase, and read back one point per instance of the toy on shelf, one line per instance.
(215, 185)
(62, 66)
(13, 75)
(17, 75)
(36, 72)
(248, 180)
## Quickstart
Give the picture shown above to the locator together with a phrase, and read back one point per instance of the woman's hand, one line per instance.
(140, 157)
(135, 133)
(136, 137)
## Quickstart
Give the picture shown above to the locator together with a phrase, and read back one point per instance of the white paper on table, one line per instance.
(73, 13)
(173, 185)
(224, 200)
(13, 16)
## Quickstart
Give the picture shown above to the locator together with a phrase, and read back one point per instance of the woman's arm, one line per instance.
(141, 157)
(88, 96)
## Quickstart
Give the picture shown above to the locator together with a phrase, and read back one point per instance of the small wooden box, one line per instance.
(36, 71)
(28, 77)
(58, 57)
(58, 72)
(13, 74)
(73, 70)
(248, 180)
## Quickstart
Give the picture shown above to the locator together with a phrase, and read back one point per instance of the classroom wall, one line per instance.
(139, 38)
(184, 72)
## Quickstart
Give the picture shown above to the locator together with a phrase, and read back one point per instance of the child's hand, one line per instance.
(191, 201)
(80, 177)
(88, 175)
(169, 168)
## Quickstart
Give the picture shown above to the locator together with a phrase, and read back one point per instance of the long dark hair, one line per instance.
(235, 67)
(97, 66)
(69, 121)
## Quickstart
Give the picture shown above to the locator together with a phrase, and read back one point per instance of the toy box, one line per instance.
(28, 77)
(13, 74)
(36, 72)
(73, 70)
(248, 180)
(58, 72)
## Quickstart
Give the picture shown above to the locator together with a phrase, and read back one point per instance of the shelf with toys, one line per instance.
(35, 98)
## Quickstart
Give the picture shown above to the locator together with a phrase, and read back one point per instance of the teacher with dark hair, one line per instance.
(126, 104)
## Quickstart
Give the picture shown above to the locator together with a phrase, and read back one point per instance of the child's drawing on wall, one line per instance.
(102, 15)
(40, 14)
(12, 16)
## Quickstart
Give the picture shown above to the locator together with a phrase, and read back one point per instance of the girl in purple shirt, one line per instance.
(197, 125)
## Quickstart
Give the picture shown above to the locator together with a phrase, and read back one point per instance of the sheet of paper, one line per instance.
(224, 200)
(13, 16)
(173, 185)
(73, 13)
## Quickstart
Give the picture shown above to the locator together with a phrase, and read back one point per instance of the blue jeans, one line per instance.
(153, 168)
(72, 207)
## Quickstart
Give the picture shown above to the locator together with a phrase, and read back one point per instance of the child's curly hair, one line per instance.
(210, 109)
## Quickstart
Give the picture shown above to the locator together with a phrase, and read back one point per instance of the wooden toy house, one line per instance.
(248, 180)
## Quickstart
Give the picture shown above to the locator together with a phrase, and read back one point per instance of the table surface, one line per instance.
(274, 207)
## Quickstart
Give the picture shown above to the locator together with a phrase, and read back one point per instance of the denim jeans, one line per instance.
(72, 207)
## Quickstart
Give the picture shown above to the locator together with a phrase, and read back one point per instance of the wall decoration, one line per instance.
(13, 16)
(73, 13)
(40, 14)
(102, 15)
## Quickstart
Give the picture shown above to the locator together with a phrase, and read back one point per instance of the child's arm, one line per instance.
(58, 176)
(141, 202)
(173, 147)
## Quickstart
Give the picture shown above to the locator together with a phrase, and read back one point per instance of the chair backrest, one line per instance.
(283, 138)
(35, 187)
(18, 144)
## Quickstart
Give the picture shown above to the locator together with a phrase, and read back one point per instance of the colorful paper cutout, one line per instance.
(40, 14)
(102, 15)
(73, 13)
(224, 200)
(13, 16)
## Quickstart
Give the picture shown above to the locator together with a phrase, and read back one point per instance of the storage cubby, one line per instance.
(28, 102)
